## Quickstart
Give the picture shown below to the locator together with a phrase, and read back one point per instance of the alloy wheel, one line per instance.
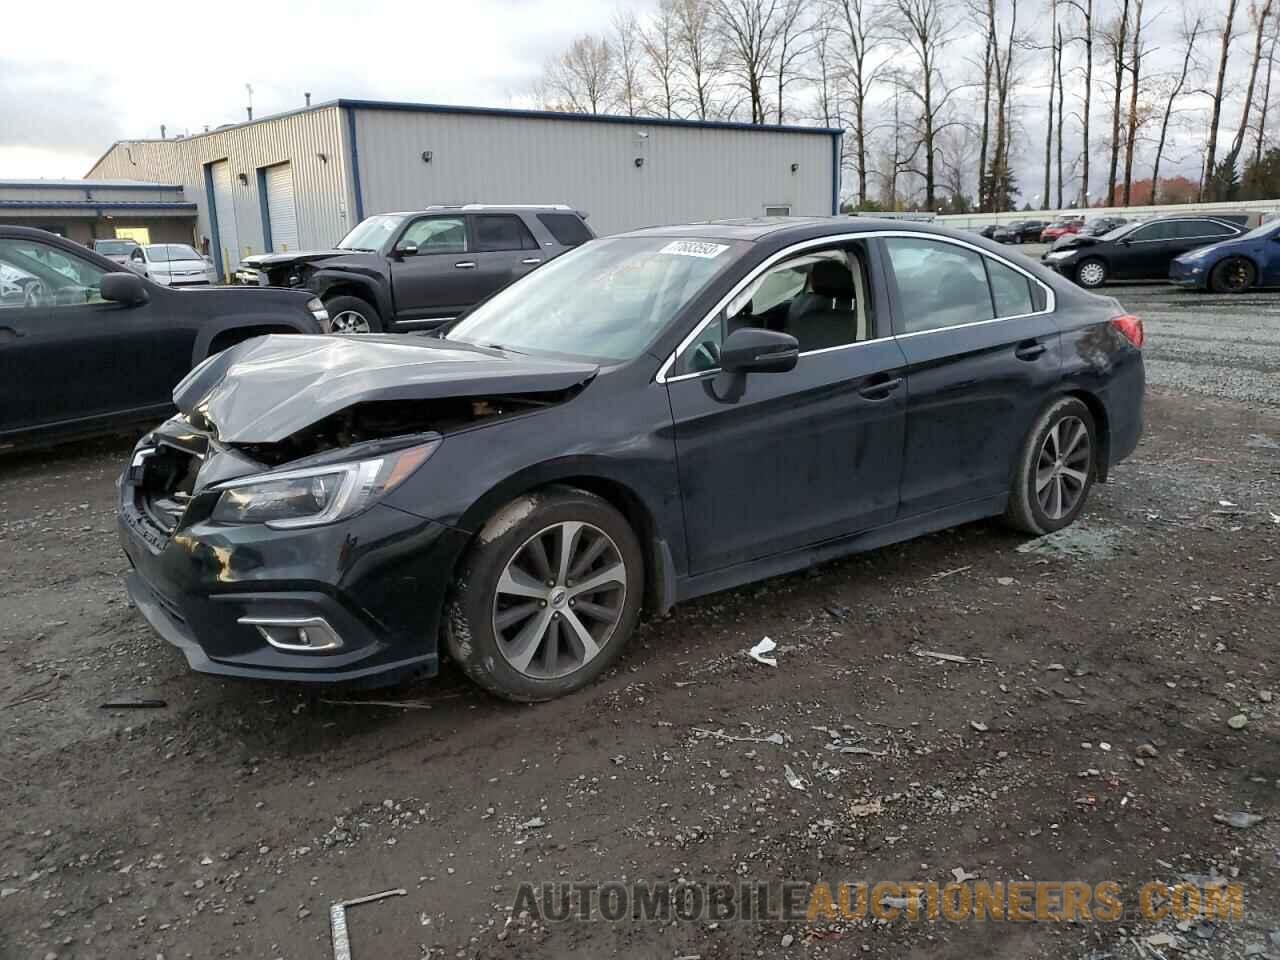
(1062, 469)
(559, 600)
(350, 321)
(1237, 275)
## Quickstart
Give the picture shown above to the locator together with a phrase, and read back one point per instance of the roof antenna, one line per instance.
(162, 136)
(308, 96)
(249, 109)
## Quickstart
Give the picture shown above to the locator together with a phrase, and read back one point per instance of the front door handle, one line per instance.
(881, 389)
(466, 265)
(1029, 351)
(8, 333)
(530, 261)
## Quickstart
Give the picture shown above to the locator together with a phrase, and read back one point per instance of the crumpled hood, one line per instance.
(261, 260)
(1069, 241)
(268, 388)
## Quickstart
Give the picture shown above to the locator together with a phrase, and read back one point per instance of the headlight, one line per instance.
(317, 495)
(1058, 254)
(316, 306)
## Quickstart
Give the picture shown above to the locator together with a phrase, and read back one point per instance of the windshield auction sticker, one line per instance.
(695, 248)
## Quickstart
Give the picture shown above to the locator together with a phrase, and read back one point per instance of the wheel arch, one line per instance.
(328, 286)
(1234, 255)
(1101, 422)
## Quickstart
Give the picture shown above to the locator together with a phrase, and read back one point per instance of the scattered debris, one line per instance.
(787, 940)
(338, 920)
(1225, 503)
(1239, 819)
(948, 657)
(406, 704)
(1266, 696)
(854, 749)
(793, 778)
(134, 703)
(979, 726)
(868, 808)
(760, 651)
(1238, 722)
(1080, 541)
(961, 875)
(948, 573)
(1147, 750)
(1006, 581)
(774, 738)
(536, 823)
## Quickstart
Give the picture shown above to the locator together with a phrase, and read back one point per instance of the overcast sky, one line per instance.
(121, 71)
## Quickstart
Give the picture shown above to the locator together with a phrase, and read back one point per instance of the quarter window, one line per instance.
(502, 232)
(1010, 290)
(34, 274)
(568, 230)
(939, 284)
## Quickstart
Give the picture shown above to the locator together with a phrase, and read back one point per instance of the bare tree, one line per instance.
(861, 37)
(795, 42)
(1266, 92)
(626, 43)
(1215, 110)
(659, 44)
(988, 17)
(1258, 14)
(1116, 38)
(1190, 36)
(1135, 71)
(825, 73)
(1003, 64)
(581, 79)
(923, 28)
(700, 55)
(1061, 92)
(1085, 9)
(1053, 77)
(749, 31)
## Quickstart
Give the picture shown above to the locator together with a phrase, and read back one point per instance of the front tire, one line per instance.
(1091, 273)
(1233, 275)
(1056, 469)
(352, 315)
(547, 596)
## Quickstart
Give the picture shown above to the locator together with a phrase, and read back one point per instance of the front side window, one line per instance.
(608, 299)
(437, 235)
(34, 274)
(1153, 231)
(938, 284)
(502, 231)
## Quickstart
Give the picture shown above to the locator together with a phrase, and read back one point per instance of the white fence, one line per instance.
(962, 220)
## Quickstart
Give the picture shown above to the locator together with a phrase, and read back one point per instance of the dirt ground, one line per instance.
(1088, 736)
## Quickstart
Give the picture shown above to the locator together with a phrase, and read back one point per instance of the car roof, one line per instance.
(783, 229)
(486, 208)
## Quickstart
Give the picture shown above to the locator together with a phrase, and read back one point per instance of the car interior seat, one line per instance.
(826, 315)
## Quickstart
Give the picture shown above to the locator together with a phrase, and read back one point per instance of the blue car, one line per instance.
(1232, 266)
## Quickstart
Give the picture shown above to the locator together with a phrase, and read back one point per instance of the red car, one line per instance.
(1060, 228)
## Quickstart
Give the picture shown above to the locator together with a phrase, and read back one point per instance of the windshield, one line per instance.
(161, 252)
(114, 247)
(369, 235)
(1258, 233)
(607, 299)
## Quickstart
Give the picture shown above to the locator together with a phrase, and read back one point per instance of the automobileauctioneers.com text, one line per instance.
(1016, 901)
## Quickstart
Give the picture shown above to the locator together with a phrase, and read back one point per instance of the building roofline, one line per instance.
(96, 205)
(444, 108)
(87, 185)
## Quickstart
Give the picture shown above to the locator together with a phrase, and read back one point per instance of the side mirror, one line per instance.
(126, 288)
(408, 250)
(753, 350)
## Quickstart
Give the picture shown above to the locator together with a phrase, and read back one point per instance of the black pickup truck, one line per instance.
(409, 271)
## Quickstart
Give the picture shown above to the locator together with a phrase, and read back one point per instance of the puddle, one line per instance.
(1077, 542)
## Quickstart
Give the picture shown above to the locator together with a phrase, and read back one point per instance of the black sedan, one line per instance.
(1020, 231)
(647, 418)
(85, 348)
(1135, 251)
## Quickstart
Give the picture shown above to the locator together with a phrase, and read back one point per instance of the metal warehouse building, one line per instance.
(301, 180)
(86, 210)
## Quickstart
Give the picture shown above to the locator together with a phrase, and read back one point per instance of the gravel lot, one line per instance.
(1086, 737)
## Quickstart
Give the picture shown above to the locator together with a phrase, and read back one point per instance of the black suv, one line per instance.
(404, 271)
(87, 346)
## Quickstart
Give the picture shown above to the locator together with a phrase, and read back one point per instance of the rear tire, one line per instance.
(547, 596)
(1055, 470)
(1233, 275)
(1091, 273)
(352, 315)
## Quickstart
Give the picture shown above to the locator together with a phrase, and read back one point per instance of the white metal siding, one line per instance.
(689, 173)
(280, 208)
(224, 212)
(312, 141)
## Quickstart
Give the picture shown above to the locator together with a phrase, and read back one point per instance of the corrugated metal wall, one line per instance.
(322, 186)
(689, 173)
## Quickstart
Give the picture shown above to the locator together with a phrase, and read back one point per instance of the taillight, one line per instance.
(1131, 327)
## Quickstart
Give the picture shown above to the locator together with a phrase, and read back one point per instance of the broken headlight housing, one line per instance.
(317, 495)
(317, 309)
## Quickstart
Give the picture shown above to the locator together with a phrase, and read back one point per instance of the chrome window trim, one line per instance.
(1050, 299)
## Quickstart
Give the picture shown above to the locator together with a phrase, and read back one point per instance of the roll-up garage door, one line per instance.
(224, 212)
(280, 209)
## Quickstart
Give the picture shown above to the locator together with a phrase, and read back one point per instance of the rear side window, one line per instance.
(1010, 290)
(502, 231)
(1211, 229)
(567, 228)
(939, 284)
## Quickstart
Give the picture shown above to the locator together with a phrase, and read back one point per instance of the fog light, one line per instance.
(296, 635)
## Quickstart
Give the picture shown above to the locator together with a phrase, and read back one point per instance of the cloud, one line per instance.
(79, 116)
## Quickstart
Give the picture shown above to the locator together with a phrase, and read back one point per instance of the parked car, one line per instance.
(1060, 228)
(1100, 225)
(1136, 251)
(648, 418)
(404, 271)
(1232, 266)
(986, 231)
(116, 250)
(1020, 231)
(87, 347)
(173, 264)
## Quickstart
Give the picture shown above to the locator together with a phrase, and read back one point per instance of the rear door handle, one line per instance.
(8, 333)
(881, 389)
(530, 261)
(1029, 351)
(466, 265)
